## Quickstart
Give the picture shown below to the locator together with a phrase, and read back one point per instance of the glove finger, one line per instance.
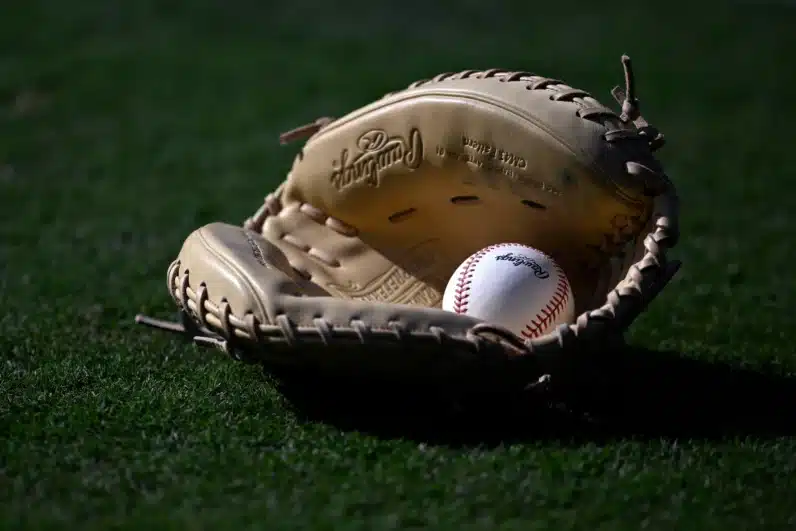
(230, 289)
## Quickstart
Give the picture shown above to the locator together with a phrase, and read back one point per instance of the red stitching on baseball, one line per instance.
(551, 310)
(461, 294)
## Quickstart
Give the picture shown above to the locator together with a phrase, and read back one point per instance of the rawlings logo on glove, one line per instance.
(378, 152)
(355, 279)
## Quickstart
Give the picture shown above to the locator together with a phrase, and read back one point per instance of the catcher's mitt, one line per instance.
(343, 267)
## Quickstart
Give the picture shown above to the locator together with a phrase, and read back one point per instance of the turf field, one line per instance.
(125, 125)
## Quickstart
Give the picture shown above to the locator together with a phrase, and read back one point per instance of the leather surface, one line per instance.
(426, 176)
(236, 265)
(342, 268)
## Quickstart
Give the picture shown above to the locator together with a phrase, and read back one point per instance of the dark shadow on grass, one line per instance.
(641, 394)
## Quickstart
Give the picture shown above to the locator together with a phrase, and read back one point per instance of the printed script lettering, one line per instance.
(378, 151)
(520, 260)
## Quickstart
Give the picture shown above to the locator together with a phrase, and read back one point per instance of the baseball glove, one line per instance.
(342, 268)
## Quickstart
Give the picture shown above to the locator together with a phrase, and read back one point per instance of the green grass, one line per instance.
(123, 128)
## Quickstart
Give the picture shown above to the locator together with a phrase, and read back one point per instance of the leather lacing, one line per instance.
(272, 206)
(200, 315)
(590, 108)
(623, 304)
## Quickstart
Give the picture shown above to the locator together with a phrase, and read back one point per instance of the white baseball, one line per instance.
(514, 286)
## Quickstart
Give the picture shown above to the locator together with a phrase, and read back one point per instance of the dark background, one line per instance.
(125, 125)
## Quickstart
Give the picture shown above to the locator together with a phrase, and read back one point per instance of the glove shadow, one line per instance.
(629, 393)
(666, 394)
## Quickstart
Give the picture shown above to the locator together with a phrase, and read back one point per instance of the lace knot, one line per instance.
(631, 110)
(304, 131)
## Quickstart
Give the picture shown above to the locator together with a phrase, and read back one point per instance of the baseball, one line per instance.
(514, 286)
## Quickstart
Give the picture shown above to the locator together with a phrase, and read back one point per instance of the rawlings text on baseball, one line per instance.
(514, 286)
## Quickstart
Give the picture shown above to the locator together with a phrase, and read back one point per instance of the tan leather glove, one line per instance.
(344, 266)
